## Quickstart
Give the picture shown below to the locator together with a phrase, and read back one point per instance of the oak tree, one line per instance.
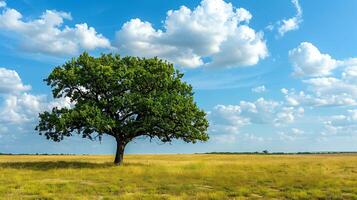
(124, 97)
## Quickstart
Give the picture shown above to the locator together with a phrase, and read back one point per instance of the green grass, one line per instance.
(180, 177)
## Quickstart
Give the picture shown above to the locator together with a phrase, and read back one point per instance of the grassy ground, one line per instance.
(180, 177)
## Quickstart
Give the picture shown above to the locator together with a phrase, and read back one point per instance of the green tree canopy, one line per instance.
(123, 97)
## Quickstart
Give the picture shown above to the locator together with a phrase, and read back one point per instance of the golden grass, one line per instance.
(180, 177)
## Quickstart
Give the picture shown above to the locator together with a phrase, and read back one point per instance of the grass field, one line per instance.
(180, 177)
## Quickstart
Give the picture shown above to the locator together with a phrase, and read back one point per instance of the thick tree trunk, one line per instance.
(120, 152)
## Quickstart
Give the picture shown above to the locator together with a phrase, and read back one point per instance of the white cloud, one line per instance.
(18, 106)
(328, 96)
(259, 89)
(330, 86)
(47, 34)
(228, 120)
(260, 111)
(2, 4)
(291, 135)
(307, 60)
(284, 90)
(60, 103)
(293, 23)
(24, 107)
(214, 30)
(296, 131)
(349, 75)
(18, 109)
(270, 27)
(325, 87)
(10, 82)
(288, 115)
(344, 124)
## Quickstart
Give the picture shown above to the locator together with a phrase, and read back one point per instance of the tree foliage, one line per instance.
(123, 97)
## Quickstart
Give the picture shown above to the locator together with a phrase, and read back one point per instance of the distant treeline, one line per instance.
(251, 153)
(285, 153)
(40, 154)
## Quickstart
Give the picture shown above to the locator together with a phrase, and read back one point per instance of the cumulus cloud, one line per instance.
(2, 4)
(293, 23)
(297, 131)
(10, 82)
(325, 87)
(349, 74)
(288, 115)
(259, 89)
(18, 105)
(48, 35)
(307, 60)
(343, 124)
(24, 107)
(214, 34)
(20, 108)
(291, 135)
(228, 120)
(318, 97)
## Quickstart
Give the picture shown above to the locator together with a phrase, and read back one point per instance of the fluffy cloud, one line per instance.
(214, 34)
(291, 24)
(325, 87)
(259, 89)
(344, 124)
(214, 30)
(329, 83)
(328, 96)
(11, 82)
(47, 34)
(349, 74)
(2, 4)
(24, 108)
(18, 109)
(288, 115)
(228, 120)
(307, 60)
(19, 106)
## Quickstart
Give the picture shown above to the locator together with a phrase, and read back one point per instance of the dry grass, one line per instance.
(180, 177)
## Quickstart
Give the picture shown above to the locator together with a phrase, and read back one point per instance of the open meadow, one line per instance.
(196, 176)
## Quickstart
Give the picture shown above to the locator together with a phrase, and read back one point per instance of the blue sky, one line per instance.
(276, 75)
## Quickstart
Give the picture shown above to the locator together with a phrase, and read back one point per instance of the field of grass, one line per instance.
(180, 177)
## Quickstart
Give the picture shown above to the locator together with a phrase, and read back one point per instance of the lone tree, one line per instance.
(125, 98)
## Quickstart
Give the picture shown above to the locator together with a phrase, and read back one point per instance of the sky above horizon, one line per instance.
(272, 75)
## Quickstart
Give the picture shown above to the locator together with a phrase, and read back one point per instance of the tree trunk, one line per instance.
(120, 152)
